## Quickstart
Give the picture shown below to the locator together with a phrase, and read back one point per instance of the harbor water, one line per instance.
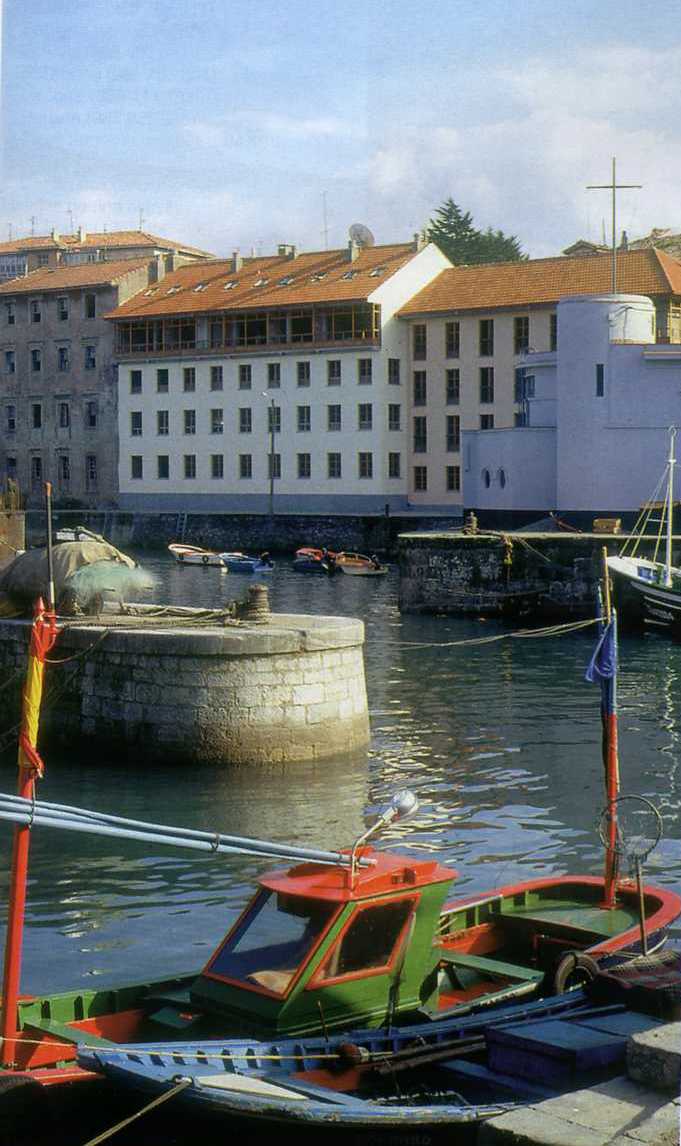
(501, 742)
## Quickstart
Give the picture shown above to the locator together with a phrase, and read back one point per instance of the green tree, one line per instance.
(456, 236)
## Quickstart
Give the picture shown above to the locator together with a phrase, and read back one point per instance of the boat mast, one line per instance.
(670, 504)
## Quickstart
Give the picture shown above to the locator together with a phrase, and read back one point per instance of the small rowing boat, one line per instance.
(242, 563)
(194, 555)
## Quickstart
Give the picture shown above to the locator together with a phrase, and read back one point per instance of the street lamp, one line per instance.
(271, 414)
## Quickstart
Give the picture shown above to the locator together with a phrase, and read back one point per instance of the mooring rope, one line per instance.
(517, 634)
(181, 1085)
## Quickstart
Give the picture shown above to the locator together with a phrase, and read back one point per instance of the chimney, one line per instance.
(54, 235)
(286, 251)
(236, 262)
(82, 235)
(420, 240)
(624, 244)
(353, 251)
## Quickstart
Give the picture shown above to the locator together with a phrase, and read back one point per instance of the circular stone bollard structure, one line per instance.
(290, 688)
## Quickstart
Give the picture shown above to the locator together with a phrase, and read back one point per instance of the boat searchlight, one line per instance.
(404, 804)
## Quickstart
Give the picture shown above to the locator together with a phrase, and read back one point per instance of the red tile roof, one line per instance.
(109, 240)
(495, 285)
(315, 277)
(66, 278)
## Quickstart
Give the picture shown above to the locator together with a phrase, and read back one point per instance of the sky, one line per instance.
(241, 124)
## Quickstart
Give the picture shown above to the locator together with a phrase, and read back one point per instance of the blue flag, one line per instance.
(602, 667)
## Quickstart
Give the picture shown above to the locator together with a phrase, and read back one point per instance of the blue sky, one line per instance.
(227, 121)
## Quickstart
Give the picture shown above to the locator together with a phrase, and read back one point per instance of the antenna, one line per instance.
(69, 212)
(32, 225)
(141, 226)
(325, 230)
(361, 235)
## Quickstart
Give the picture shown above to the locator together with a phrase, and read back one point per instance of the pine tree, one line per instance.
(462, 243)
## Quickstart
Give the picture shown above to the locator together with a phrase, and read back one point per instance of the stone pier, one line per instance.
(150, 689)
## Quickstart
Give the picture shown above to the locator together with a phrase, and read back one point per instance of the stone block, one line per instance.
(654, 1057)
(327, 711)
(307, 694)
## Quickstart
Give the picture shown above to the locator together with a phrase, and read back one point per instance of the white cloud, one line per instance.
(220, 131)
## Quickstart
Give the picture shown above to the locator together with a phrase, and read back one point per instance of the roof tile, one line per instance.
(65, 278)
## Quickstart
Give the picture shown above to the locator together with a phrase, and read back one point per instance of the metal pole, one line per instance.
(614, 231)
(50, 567)
(272, 408)
(670, 509)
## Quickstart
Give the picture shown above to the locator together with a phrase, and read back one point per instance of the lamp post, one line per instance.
(272, 428)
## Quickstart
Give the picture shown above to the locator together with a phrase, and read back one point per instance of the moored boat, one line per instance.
(311, 560)
(242, 563)
(195, 555)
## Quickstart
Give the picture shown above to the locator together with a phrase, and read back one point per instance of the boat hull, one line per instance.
(639, 597)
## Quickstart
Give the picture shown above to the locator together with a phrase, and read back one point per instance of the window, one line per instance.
(394, 371)
(216, 420)
(274, 466)
(91, 412)
(394, 416)
(420, 390)
(453, 435)
(162, 381)
(10, 419)
(64, 470)
(91, 472)
(364, 416)
(303, 373)
(600, 380)
(394, 465)
(136, 467)
(135, 423)
(304, 465)
(452, 339)
(190, 421)
(245, 420)
(35, 310)
(245, 376)
(452, 387)
(62, 309)
(486, 479)
(10, 313)
(501, 478)
(333, 372)
(453, 479)
(90, 357)
(333, 466)
(162, 467)
(419, 343)
(486, 337)
(189, 379)
(162, 423)
(520, 418)
(273, 419)
(273, 375)
(135, 381)
(521, 334)
(553, 331)
(216, 378)
(487, 421)
(365, 462)
(36, 472)
(62, 358)
(364, 366)
(190, 466)
(420, 478)
(63, 415)
(245, 466)
(217, 466)
(486, 383)
(333, 417)
(43, 259)
(420, 435)
(370, 941)
(10, 362)
(37, 415)
(304, 422)
(36, 361)
(90, 305)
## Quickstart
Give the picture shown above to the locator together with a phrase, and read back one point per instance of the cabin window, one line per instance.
(271, 940)
(369, 941)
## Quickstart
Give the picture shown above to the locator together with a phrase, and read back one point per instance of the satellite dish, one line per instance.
(361, 235)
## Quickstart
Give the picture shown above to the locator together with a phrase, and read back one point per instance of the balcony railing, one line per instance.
(259, 346)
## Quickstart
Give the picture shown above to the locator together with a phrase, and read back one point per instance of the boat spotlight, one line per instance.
(404, 803)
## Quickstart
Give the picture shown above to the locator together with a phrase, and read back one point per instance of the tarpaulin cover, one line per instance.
(26, 578)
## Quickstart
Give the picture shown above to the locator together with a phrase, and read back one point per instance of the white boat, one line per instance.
(194, 555)
(646, 588)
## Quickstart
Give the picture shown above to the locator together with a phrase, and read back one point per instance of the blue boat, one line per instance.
(242, 563)
(427, 1077)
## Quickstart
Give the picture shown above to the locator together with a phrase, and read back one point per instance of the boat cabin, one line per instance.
(325, 946)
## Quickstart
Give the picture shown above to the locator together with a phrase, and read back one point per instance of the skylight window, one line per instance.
(261, 282)
(286, 281)
(173, 290)
(349, 275)
(230, 285)
(198, 287)
(148, 293)
(376, 272)
(318, 277)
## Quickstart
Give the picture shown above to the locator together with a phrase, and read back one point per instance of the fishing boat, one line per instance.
(359, 565)
(647, 588)
(194, 555)
(311, 560)
(242, 563)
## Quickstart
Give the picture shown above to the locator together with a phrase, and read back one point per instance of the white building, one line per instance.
(598, 410)
(309, 346)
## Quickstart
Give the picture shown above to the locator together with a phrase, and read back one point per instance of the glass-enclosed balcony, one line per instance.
(251, 331)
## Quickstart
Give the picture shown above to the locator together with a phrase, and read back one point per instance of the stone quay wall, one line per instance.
(12, 534)
(290, 689)
(550, 575)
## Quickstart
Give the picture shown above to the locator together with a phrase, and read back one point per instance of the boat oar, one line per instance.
(410, 1057)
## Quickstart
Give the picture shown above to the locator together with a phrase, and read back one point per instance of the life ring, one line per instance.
(205, 560)
(576, 966)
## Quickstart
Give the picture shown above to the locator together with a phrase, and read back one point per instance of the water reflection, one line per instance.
(502, 743)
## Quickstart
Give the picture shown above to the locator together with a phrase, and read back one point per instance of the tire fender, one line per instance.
(205, 560)
(575, 964)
